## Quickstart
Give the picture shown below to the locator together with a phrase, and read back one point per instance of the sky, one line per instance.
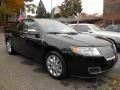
(89, 6)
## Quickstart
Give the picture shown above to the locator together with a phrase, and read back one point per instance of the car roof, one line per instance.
(38, 19)
(81, 24)
(44, 19)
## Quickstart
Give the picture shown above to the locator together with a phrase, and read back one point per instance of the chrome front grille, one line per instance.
(108, 52)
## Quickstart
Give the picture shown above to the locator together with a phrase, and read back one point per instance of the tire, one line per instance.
(9, 47)
(56, 65)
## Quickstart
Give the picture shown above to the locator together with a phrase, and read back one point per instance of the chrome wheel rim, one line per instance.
(54, 65)
(9, 47)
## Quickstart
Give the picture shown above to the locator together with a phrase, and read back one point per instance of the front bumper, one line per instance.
(88, 66)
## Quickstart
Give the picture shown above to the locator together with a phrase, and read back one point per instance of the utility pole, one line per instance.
(52, 15)
(78, 17)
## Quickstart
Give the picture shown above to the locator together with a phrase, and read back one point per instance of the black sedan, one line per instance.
(63, 50)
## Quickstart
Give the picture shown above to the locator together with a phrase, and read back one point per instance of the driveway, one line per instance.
(20, 73)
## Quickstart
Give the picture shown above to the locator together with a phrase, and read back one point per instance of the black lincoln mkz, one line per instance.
(63, 50)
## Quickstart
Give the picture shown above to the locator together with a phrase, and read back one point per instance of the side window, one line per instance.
(16, 26)
(21, 26)
(31, 25)
(82, 28)
(34, 26)
(24, 26)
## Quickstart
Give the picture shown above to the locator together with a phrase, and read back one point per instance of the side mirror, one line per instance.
(90, 31)
(33, 32)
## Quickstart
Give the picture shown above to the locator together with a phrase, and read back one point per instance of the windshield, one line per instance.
(82, 28)
(52, 26)
(95, 27)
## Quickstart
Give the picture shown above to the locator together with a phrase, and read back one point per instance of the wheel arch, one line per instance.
(112, 40)
(52, 48)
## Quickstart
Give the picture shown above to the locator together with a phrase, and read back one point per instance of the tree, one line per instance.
(57, 15)
(10, 8)
(28, 0)
(48, 15)
(70, 7)
(41, 11)
(30, 8)
(64, 12)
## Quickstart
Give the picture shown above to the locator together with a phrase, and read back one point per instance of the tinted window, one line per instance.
(82, 28)
(24, 26)
(31, 25)
(18, 26)
(21, 26)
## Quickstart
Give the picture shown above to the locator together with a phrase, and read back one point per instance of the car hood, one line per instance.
(108, 33)
(79, 40)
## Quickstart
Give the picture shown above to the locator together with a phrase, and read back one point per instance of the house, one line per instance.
(111, 13)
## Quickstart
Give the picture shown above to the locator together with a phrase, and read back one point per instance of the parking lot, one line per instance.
(20, 73)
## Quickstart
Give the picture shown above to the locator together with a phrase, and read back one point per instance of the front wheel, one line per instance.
(56, 65)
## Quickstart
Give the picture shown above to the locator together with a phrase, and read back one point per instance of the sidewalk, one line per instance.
(1, 29)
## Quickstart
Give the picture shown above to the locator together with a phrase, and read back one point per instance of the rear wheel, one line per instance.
(10, 49)
(56, 65)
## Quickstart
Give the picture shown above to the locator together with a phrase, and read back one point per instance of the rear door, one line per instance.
(18, 37)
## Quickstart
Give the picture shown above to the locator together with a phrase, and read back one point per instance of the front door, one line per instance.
(18, 35)
(33, 43)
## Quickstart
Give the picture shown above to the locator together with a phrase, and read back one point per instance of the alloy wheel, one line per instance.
(54, 65)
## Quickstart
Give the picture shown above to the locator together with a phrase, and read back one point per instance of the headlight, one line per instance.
(90, 51)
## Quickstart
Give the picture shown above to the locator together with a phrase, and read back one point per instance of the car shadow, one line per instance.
(28, 62)
(77, 83)
(39, 67)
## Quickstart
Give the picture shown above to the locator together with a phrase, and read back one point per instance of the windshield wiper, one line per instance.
(73, 33)
(54, 33)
